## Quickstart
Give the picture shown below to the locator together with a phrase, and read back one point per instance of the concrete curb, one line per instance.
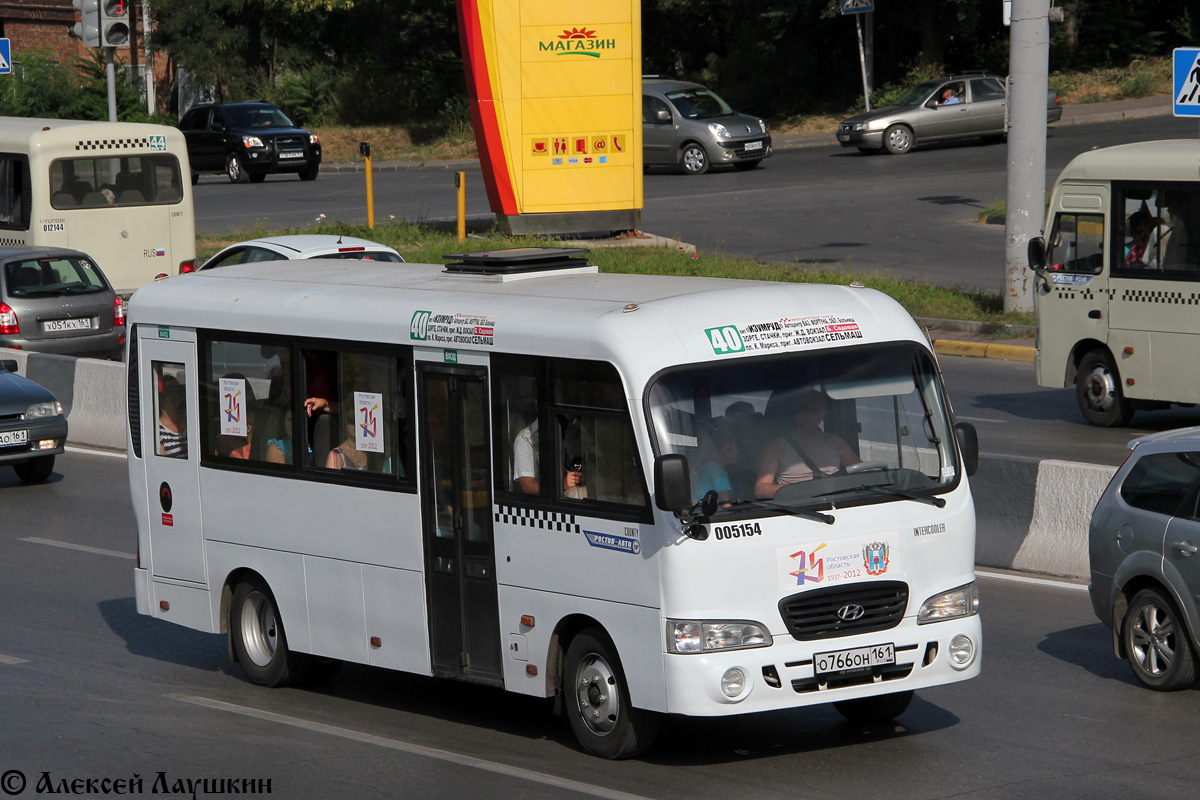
(92, 394)
(1006, 352)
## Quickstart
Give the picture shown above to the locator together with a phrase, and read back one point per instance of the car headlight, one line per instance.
(252, 141)
(314, 138)
(960, 602)
(762, 125)
(51, 408)
(709, 635)
(718, 130)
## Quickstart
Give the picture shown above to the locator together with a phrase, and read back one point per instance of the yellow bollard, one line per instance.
(460, 183)
(364, 149)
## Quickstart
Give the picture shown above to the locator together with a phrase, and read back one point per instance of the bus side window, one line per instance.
(1077, 244)
(13, 181)
(247, 408)
(170, 407)
(517, 404)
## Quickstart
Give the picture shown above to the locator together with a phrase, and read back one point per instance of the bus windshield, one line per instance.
(826, 429)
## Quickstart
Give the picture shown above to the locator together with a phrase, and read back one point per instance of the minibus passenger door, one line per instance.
(169, 418)
(460, 559)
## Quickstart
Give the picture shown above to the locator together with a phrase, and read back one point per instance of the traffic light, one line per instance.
(114, 23)
(88, 30)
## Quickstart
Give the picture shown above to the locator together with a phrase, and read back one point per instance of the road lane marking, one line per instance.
(82, 547)
(414, 749)
(12, 660)
(87, 451)
(1054, 584)
(978, 419)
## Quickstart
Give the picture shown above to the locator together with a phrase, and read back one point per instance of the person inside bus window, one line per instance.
(172, 419)
(279, 448)
(235, 446)
(1171, 245)
(526, 461)
(718, 454)
(802, 448)
(346, 455)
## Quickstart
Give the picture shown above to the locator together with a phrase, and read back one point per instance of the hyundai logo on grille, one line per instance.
(850, 612)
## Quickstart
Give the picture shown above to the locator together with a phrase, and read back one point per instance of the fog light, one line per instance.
(962, 651)
(727, 156)
(733, 682)
(47, 444)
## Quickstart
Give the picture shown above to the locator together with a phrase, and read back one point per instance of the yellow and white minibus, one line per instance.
(111, 189)
(1119, 279)
(639, 495)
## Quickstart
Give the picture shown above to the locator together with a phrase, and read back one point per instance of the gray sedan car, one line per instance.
(686, 125)
(956, 107)
(55, 300)
(1144, 553)
(32, 426)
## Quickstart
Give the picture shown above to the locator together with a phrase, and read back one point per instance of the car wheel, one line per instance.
(257, 177)
(1098, 391)
(597, 700)
(693, 159)
(746, 166)
(310, 173)
(195, 178)
(898, 139)
(235, 169)
(35, 470)
(874, 709)
(1156, 643)
(259, 640)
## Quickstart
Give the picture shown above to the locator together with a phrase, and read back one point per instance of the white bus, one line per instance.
(1119, 280)
(509, 479)
(111, 189)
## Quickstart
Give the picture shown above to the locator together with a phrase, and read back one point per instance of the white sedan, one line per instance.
(281, 248)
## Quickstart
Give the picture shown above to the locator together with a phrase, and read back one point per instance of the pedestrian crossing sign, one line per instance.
(1187, 82)
(5, 57)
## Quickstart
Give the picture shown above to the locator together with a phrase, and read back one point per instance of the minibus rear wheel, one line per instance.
(259, 640)
(597, 700)
(1098, 391)
(880, 708)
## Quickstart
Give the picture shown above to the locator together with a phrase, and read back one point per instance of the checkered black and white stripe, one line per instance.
(1155, 296)
(6, 242)
(536, 518)
(111, 144)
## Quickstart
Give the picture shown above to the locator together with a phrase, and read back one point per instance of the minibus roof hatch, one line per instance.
(517, 260)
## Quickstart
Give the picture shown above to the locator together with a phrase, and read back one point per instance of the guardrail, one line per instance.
(1031, 514)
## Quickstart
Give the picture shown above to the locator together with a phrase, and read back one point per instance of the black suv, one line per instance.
(248, 141)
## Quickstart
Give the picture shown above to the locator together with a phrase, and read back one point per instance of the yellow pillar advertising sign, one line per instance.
(555, 96)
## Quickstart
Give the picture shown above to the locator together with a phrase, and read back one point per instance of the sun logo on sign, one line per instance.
(578, 33)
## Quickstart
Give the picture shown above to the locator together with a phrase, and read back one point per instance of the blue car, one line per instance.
(33, 429)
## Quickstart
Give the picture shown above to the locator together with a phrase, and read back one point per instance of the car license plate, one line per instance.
(753, 146)
(13, 438)
(50, 326)
(286, 154)
(859, 659)
(843, 137)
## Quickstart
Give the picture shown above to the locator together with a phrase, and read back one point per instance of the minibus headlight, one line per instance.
(707, 636)
(960, 602)
(52, 408)
(252, 141)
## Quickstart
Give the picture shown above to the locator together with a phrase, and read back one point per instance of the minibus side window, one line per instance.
(246, 416)
(356, 412)
(170, 409)
(1077, 244)
(14, 192)
(1160, 227)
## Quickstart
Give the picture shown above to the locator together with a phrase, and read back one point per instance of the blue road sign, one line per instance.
(857, 6)
(1187, 82)
(5, 57)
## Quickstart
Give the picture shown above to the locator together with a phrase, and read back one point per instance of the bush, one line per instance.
(42, 87)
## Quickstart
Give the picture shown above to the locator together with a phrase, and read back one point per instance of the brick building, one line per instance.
(46, 26)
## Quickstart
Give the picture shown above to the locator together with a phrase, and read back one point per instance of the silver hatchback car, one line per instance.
(55, 300)
(1144, 552)
(686, 125)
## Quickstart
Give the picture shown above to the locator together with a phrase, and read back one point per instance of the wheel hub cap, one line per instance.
(596, 688)
(1100, 389)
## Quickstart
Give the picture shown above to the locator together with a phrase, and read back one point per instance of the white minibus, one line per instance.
(110, 189)
(639, 495)
(1119, 280)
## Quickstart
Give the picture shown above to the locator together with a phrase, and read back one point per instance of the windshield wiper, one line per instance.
(892, 491)
(816, 516)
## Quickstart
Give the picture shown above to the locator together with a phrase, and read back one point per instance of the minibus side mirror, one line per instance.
(968, 445)
(672, 483)
(1036, 253)
(9, 364)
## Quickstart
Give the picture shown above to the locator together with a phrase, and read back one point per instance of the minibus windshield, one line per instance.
(820, 430)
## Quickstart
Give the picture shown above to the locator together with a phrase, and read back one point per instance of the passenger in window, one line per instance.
(279, 449)
(172, 418)
(1172, 245)
(526, 461)
(802, 449)
(346, 455)
(718, 454)
(1141, 225)
(949, 97)
(235, 446)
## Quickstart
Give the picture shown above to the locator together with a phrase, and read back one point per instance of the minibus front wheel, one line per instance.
(1098, 391)
(597, 700)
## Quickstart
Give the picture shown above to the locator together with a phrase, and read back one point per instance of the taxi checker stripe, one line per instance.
(110, 144)
(536, 518)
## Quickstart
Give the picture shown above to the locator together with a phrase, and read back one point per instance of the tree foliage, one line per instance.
(42, 87)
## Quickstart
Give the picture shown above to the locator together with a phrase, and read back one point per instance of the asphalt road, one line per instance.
(89, 689)
(911, 216)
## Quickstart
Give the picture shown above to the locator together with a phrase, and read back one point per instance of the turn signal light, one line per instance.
(527, 620)
(164, 605)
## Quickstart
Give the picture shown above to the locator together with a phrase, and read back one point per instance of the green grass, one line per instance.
(420, 243)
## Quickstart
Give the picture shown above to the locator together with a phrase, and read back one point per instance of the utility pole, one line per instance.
(1028, 65)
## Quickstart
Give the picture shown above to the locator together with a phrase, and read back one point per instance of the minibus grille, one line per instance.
(815, 614)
